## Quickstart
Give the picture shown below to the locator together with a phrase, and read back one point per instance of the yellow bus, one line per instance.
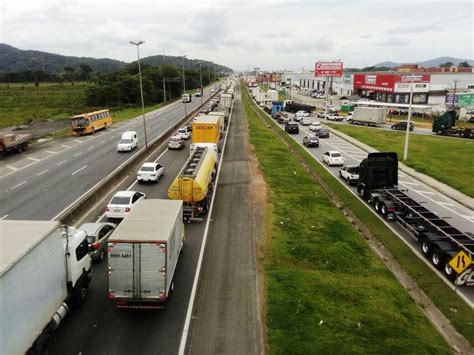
(90, 122)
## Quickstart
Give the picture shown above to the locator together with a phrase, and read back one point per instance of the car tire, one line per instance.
(448, 270)
(437, 258)
(425, 247)
(340, 175)
(93, 130)
(348, 181)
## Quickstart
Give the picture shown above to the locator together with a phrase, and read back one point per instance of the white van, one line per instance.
(128, 142)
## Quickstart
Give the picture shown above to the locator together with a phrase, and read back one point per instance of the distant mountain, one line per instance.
(428, 63)
(16, 60)
(157, 60)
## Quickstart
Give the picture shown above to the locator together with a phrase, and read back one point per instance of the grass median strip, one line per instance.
(445, 159)
(326, 290)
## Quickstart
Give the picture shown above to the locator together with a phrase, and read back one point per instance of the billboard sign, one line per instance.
(328, 69)
(415, 78)
(466, 99)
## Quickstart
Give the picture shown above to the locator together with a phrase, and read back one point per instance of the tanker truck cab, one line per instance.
(128, 142)
(78, 263)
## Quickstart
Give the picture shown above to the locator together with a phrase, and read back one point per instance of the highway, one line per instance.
(226, 297)
(39, 184)
(458, 215)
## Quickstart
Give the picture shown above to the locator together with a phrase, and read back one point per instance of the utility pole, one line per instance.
(184, 87)
(164, 90)
(454, 94)
(200, 76)
(407, 132)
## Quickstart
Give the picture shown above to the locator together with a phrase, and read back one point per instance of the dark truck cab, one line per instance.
(292, 128)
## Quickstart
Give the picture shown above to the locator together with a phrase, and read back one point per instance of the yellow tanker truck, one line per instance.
(195, 182)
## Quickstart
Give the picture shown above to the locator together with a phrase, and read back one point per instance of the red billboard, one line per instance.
(385, 82)
(328, 69)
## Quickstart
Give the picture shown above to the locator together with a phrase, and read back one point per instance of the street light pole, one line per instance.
(200, 75)
(407, 133)
(454, 94)
(184, 87)
(141, 88)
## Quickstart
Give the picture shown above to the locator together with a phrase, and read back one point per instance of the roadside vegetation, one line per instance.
(326, 290)
(445, 159)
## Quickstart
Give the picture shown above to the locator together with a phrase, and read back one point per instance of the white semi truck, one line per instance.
(368, 116)
(143, 254)
(45, 270)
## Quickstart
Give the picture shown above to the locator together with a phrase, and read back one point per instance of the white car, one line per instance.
(305, 122)
(302, 113)
(315, 126)
(183, 133)
(128, 141)
(333, 157)
(320, 96)
(321, 114)
(122, 203)
(331, 117)
(350, 173)
(150, 172)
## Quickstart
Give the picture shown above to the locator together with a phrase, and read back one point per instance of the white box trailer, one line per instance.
(225, 101)
(143, 254)
(369, 116)
(272, 95)
(39, 282)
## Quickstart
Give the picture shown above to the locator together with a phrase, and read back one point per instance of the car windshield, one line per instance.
(174, 140)
(322, 130)
(120, 200)
(147, 168)
(125, 141)
(353, 170)
(181, 131)
(335, 155)
(313, 138)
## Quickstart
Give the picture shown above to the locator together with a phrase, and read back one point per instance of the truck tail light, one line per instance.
(391, 209)
(127, 209)
(96, 246)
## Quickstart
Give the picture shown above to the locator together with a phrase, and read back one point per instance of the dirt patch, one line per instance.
(259, 203)
(38, 129)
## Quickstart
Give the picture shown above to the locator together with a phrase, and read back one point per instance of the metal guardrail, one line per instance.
(76, 210)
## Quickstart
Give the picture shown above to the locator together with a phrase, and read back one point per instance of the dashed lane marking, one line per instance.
(75, 155)
(408, 183)
(61, 163)
(65, 146)
(51, 152)
(34, 159)
(16, 186)
(92, 147)
(41, 173)
(74, 173)
(78, 140)
(4, 217)
(13, 168)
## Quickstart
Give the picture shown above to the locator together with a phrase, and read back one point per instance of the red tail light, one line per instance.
(127, 209)
(391, 209)
(96, 246)
(106, 209)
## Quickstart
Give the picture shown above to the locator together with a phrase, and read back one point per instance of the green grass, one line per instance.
(445, 159)
(24, 104)
(326, 290)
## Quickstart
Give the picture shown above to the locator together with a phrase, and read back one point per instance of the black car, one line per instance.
(292, 128)
(402, 126)
(311, 141)
(323, 133)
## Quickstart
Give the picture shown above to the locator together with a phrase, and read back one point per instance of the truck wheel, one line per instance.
(377, 205)
(425, 247)
(43, 344)
(93, 130)
(362, 193)
(436, 258)
(383, 210)
(80, 296)
(19, 149)
(25, 146)
(448, 270)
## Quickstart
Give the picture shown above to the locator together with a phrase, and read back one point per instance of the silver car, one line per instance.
(97, 236)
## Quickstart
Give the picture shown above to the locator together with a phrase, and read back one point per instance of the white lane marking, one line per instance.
(471, 218)
(91, 147)
(447, 204)
(21, 183)
(65, 146)
(34, 159)
(4, 217)
(408, 183)
(424, 192)
(101, 142)
(74, 173)
(41, 173)
(78, 140)
(61, 163)
(75, 155)
(401, 175)
(13, 168)
(51, 152)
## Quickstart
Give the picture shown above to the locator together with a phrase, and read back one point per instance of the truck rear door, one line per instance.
(121, 270)
(153, 271)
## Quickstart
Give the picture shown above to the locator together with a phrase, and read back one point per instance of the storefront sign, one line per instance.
(328, 69)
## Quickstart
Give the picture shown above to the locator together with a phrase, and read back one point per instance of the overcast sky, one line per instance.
(244, 34)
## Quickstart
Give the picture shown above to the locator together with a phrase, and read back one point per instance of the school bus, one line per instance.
(90, 122)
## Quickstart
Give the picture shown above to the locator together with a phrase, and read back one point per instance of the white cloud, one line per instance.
(270, 34)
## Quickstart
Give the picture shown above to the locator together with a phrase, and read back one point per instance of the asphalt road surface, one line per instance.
(227, 288)
(458, 215)
(38, 185)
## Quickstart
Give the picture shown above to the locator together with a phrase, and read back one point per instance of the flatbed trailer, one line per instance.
(439, 241)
